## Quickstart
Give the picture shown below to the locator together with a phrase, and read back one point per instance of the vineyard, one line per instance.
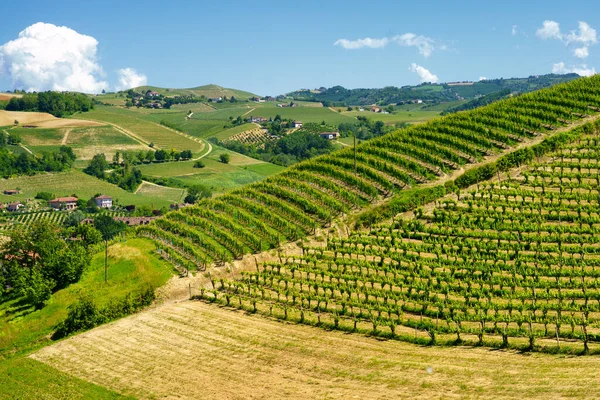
(312, 194)
(253, 137)
(57, 217)
(509, 263)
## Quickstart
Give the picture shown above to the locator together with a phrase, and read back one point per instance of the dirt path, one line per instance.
(65, 137)
(21, 145)
(248, 112)
(204, 143)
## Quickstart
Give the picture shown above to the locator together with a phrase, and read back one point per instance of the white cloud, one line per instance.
(482, 78)
(549, 30)
(581, 52)
(360, 43)
(425, 45)
(514, 30)
(130, 78)
(50, 57)
(585, 37)
(581, 70)
(424, 74)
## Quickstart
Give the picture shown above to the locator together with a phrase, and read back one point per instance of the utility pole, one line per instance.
(354, 154)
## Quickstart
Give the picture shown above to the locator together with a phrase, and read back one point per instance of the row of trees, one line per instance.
(55, 103)
(126, 177)
(27, 164)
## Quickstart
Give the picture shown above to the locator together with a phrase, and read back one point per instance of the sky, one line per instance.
(273, 47)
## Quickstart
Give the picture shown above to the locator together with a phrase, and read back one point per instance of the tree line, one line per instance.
(55, 103)
(28, 164)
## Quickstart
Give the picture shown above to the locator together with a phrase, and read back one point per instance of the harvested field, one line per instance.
(64, 123)
(195, 350)
(8, 96)
(8, 117)
(41, 120)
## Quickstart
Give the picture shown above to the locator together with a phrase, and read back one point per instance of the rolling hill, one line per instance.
(315, 193)
(206, 90)
(436, 93)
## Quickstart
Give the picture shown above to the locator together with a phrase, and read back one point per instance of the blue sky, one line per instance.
(270, 47)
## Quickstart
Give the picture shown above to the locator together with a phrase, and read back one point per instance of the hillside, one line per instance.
(435, 93)
(207, 90)
(312, 194)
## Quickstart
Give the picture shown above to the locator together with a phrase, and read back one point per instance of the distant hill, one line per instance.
(432, 93)
(206, 90)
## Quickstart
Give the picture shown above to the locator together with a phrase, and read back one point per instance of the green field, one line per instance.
(133, 265)
(72, 182)
(133, 122)
(240, 171)
(24, 378)
(172, 195)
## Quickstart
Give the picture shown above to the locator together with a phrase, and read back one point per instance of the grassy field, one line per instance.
(228, 354)
(241, 170)
(133, 265)
(172, 195)
(72, 182)
(130, 121)
(24, 378)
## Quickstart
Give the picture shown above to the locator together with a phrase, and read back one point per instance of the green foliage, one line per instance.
(55, 103)
(224, 158)
(27, 164)
(97, 166)
(108, 227)
(38, 261)
(47, 196)
(85, 314)
(199, 164)
(196, 193)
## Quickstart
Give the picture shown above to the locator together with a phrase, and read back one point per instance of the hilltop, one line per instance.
(427, 92)
(208, 91)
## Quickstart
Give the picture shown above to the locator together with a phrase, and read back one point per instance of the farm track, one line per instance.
(190, 349)
(65, 137)
(190, 137)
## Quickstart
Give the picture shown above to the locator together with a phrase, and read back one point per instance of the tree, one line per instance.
(199, 164)
(196, 193)
(97, 166)
(108, 228)
(224, 158)
(74, 218)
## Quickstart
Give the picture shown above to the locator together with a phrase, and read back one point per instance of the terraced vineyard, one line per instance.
(56, 217)
(253, 136)
(291, 205)
(510, 263)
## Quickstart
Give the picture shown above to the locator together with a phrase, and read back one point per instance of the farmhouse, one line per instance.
(297, 124)
(257, 119)
(329, 135)
(375, 109)
(10, 192)
(134, 221)
(152, 94)
(104, 201)
(66, 203)
(215, 99)
(14, 206)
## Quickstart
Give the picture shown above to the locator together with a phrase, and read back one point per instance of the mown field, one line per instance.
(218, 353)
